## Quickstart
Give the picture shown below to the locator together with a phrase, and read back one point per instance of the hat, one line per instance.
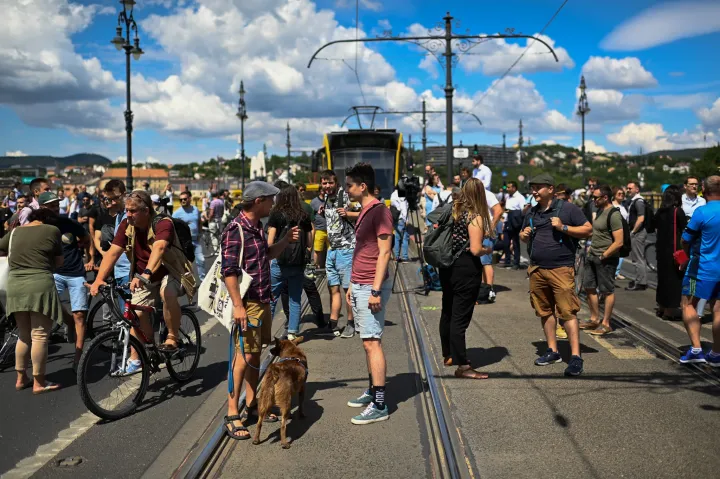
(47, 197)
(258, 189)
(543, 179)
(155, 198)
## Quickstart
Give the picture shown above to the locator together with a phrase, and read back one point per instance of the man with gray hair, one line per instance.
(701, 241)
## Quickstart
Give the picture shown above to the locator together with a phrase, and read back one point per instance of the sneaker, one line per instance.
(575, 366)
(371, 414)
(133, 367)
(349, 331)
(333, 325)
(291, 337)
(713, 360)
(550, 357)
(515, 267)
(689, 357)
(492, 296)
(362, 401)
(560, 332)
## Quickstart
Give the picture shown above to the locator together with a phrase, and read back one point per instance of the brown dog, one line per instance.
(283, 379)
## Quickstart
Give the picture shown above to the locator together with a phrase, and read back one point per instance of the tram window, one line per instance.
(382, 161)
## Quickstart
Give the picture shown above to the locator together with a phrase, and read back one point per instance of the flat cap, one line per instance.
(543, 179)
(258, 189)
(47, 197)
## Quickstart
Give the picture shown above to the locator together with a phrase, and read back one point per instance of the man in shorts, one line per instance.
(550, 229)
(251, 313)
(701, 240)
(321, 239)
(602, 260)
(369, 291)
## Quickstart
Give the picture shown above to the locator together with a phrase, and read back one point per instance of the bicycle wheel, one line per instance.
(104, 390)
(8, 341)
(579, 271)
(182, 364)
(651, 257)
(96, 323)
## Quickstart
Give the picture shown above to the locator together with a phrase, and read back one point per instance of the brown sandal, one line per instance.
(449, 362)
(469, 373)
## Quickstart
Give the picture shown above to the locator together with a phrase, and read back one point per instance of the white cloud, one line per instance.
(620, 74)
(371, 5)
(16, 153)
(608, 106)
(665, 23)
(710, 117)
(682, 102)
(430, 65)
(653, 137)
(592, 147)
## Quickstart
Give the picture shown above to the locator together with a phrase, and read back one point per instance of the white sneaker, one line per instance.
(491, 296)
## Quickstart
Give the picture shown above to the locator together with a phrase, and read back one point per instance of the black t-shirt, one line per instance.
(70, 232)
(551, 248)
(105, 223)
(295, 253)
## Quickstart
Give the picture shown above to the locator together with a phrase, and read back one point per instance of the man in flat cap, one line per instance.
(251, 313)
(551, 230)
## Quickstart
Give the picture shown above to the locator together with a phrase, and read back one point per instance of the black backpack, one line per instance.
(649, 222)
(183, 233)
(627, 242)
(442, 202)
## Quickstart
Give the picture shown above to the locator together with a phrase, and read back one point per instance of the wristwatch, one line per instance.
(147, 272)
(375, 293)
(565, 228)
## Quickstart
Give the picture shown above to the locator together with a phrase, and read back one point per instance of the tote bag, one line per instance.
(213, 296)
(5, 269)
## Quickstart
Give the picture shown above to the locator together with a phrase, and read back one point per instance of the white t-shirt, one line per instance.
(484, 174)
(491, 199)
(515, 202)
(400, 203)
(445, 196)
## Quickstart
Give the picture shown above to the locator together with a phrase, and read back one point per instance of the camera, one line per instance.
(409, 188)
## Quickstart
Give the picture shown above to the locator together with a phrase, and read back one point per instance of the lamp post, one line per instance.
(287, 143)
(242, 115)
(123, 43)
(583, 109)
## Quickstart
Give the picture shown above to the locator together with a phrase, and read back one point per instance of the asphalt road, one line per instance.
(31, 425)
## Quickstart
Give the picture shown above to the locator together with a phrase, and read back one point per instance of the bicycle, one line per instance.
(206, 241)
(8, 339)
(580, 260)
(650, 256)
(106, 357)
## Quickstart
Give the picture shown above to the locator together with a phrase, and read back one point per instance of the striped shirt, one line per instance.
(255, 261)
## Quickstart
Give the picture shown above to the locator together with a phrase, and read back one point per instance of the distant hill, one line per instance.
(687, 153)
(81, 159)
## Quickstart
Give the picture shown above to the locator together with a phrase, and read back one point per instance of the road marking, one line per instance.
(623, 353)
(44, 453)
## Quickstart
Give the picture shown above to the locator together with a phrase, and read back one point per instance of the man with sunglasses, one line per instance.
(191, 215)
(551, 230)
(690, 199)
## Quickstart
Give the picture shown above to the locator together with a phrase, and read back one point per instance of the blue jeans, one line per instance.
(199, 260)
(290, 277)
(401, 239)
(617, 271)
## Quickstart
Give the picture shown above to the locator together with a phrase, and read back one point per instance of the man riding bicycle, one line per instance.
(157, 269)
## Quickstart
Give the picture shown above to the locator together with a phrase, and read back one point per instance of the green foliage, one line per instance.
(709, 164)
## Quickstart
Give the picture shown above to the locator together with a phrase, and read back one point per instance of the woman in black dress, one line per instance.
(670, 222)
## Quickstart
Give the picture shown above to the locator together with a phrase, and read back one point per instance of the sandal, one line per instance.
(167, 348)
(469, 373)
(49, 387)
(233, 433)
(253, 411)
(601, 331)
(588, 324)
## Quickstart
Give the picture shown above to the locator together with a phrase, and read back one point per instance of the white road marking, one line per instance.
(44, 453)
(623, 353)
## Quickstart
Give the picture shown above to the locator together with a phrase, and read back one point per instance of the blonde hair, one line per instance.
(473, 201)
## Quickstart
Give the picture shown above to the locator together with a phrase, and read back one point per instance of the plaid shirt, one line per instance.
(255, 261)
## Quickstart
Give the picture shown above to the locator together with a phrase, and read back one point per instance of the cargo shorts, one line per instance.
(551, 289)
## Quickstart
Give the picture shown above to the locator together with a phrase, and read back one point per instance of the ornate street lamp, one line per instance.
(242, 115)
(583, 109)
(288, 144)
(126, 19)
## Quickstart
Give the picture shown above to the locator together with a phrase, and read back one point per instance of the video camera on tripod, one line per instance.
(409, 187)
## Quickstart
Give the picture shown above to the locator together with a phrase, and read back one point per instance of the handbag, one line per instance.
(680, 256)
(213, 296)
(5, 268)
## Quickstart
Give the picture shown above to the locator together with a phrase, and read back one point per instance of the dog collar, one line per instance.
(302, 363)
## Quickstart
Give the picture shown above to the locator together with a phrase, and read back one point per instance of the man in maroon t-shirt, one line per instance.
(367, 295)
(150, 279)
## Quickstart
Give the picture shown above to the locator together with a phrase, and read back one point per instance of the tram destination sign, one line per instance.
(461, 153)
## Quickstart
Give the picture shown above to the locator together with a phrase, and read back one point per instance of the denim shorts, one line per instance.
(369, 324)
(487, 259)
(338, 267)
(75, 286)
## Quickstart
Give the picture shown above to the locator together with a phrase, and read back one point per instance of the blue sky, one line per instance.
(652, 81)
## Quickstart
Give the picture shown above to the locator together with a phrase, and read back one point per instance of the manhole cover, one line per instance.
(70, 461)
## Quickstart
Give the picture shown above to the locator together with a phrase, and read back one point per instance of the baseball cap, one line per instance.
(543, 179)
(258, 189)
(47, 197)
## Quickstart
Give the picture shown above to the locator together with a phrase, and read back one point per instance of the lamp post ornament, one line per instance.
(127, 19)
(242, 115)
(583, 109)
(287, 143)
(437, 38)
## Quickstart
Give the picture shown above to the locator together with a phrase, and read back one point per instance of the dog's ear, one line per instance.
(298, 340)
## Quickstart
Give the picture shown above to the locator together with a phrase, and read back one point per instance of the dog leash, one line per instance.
(235, 336)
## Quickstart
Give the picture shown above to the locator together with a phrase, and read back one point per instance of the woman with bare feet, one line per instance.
(34, 251)
(461, 281)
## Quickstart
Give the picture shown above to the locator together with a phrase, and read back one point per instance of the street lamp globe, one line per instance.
(128, 3)
(118, 41)
(137, 51)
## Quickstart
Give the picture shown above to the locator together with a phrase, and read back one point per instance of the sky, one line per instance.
(650, 67)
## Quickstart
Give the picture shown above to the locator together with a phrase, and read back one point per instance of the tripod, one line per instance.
(417, 237)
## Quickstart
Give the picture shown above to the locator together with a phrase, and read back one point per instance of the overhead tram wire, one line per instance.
(507, 72)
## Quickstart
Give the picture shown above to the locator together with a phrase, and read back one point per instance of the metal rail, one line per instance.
(199, 462)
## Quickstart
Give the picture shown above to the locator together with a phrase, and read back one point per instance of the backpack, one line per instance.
(395, 214)
(587, 210)
(292, 255)
(649, 222)
(627, 246)
(437, 247)
(442, 202)
(183, 233)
